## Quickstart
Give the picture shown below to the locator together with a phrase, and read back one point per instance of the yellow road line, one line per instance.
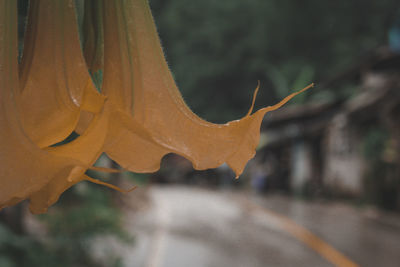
(307, 237)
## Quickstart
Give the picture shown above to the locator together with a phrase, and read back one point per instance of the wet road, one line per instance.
(202, 228)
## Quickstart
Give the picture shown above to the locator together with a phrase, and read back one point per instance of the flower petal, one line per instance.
(138, 82)
(27, 171)
(86, 149)
(55, 84)
(24, 168)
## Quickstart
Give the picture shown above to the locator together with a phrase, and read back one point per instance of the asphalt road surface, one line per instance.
(191, 227)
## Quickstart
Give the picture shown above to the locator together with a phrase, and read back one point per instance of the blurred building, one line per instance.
(322, 147)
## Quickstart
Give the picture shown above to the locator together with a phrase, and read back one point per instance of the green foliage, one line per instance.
(218, 50)
(282, 85)
(374, 143)
(84, 213)
(13, 246)
(380, 183)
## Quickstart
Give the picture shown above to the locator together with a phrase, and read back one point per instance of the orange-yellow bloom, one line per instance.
(55, 83)
(153, 119)
(139, 117)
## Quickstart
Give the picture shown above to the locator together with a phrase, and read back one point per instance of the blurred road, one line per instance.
(201, 228)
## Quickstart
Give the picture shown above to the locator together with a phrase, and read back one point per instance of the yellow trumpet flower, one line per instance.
(138, 117)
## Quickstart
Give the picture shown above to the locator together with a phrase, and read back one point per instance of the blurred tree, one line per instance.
(85, 213)
(219, 49)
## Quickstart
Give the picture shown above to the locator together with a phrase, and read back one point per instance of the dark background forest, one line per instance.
(218, 50)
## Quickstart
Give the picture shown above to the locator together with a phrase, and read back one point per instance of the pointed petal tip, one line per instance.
(254, 99)
(95, 181)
